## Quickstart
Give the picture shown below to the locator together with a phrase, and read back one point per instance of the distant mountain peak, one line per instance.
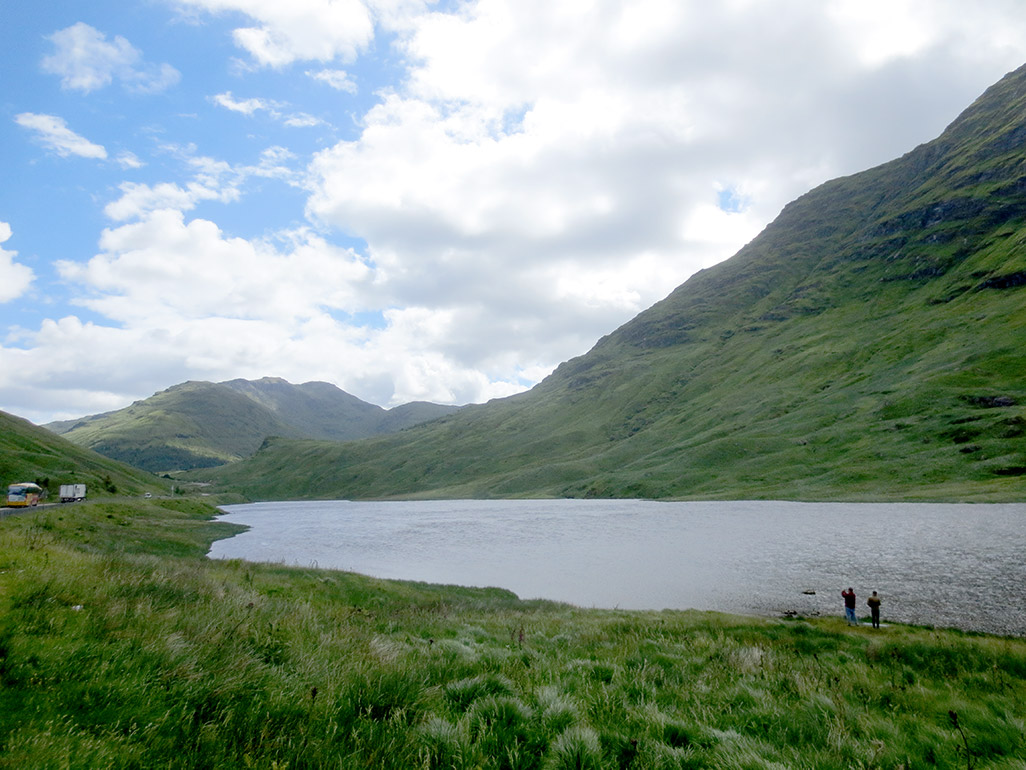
(199, 423)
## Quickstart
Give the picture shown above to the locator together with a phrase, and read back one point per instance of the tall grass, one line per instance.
(121, 646)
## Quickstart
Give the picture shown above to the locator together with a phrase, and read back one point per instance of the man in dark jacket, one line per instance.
(874, 609)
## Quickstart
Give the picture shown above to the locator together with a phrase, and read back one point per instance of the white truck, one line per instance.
(71, 493)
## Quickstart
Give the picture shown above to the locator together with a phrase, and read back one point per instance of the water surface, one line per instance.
(946, 565)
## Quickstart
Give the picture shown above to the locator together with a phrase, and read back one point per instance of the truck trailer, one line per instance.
(71, 493)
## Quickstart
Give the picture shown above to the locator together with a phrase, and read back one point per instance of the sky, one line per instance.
(419, 200)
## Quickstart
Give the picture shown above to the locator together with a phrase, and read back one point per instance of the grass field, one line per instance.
(122, 646)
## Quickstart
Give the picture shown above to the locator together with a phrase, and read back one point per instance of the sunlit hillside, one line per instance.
(867, 344)
(34, 454)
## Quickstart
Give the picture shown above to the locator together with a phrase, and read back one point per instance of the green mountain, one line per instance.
(868, 344)
(31, 453)
(202, 424)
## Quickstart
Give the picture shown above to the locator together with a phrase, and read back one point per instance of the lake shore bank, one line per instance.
(944, 565)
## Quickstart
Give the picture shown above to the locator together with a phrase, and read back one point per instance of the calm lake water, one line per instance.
(947, 565)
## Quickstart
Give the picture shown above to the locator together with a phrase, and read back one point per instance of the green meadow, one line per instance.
(122, 646)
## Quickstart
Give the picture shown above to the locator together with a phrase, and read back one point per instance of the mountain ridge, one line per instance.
(201, 424)
(865, 345)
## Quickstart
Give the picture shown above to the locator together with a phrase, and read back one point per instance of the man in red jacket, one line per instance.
(849, 606)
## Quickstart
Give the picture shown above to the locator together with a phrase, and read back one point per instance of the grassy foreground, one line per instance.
(122, 646)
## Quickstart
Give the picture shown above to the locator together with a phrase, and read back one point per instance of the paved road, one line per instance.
(6, 511)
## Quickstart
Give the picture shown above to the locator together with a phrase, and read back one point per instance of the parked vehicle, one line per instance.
(23, 494)
(71, 493)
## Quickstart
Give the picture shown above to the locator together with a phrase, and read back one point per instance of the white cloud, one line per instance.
(909, 30)
(250, 107)
(302, 120)
(54, 134)
(14, 278)
(275, 163)
(212, 180)
(298, 30)
(129, 160)
(245, 106)
(137, 199)
(340, 80)
(591, 192)
(584, 134)
(186, 298)
(85, 61)
(162, 269)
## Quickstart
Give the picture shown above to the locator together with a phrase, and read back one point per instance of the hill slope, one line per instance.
(867, 344)
(201, 424)
(31, 453)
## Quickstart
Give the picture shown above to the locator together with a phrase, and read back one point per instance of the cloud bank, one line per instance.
(522, 178)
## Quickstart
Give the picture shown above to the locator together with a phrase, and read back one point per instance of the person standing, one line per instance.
(849, 606)
(874, 608)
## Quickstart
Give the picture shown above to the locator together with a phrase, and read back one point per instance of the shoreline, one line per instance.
(759, 582)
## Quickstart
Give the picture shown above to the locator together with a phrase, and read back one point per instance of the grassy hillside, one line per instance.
(202, 424)
(122, 647)
(867, 345)
(320, 410)
(314, 409)
(31, 453)
(194, 424)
